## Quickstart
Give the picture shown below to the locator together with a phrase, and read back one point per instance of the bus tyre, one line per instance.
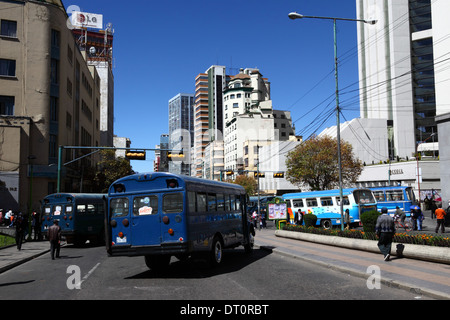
(326, 224)
(249, 245)
(216, 254)
(157, 263)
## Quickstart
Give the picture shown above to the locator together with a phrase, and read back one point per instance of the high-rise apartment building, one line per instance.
(404, 68)
(208, 112)
(181, 124)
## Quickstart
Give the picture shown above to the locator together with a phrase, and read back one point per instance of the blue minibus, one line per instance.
(326, 205)
(158, 215)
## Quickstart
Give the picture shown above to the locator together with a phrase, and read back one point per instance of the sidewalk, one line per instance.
(10, 257)
(422, 277)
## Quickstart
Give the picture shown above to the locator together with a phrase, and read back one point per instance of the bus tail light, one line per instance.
(171, 232)
(121, 235)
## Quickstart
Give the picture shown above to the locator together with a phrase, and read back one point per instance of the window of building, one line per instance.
(54, 71)
(53, 109)
(55, 38)
(68, 120)
(7, 67)
(52, 146)
(8, 28)
(6, 105)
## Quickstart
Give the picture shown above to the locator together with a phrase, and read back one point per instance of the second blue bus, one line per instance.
(326, 205)
(392, 197)
(81, 216)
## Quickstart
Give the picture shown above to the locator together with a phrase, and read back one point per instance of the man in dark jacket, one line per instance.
(54, 236)
(385, 229)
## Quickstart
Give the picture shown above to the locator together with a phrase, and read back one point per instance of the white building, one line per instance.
(249, 119)
(404, 68)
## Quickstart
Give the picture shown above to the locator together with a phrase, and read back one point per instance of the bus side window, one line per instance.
(201, 202)
(238, 202)
(220, 202)
(173, 203)
(192, 201)
(345, 201)
(100, 208)
(212, 206)
(233, 202)
(326, 202)
(312, 202)
(379, 195)
(298, 203)
(227, 202)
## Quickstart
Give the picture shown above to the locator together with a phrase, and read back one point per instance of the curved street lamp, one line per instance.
(295, 15)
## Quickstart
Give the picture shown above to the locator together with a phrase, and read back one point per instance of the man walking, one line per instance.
(54, 236)
(385, 230)
(440, 218)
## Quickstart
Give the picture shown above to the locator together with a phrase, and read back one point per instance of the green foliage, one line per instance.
(310, 220)
(369, 220)
(6, 240)
(110, 169)
(249, 183)
(315, 163)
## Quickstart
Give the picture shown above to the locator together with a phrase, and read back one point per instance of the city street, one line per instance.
(263, 276)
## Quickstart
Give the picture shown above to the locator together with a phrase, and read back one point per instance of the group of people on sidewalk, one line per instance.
(385, 227)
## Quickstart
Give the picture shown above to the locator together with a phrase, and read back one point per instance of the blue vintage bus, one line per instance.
(393, 196)
(159, 215)
(326, 205)
(81, 216)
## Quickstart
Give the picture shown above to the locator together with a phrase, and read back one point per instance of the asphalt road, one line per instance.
(89, 274)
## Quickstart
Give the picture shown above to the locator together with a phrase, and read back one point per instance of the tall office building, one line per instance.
(404, 68)
(181, 124)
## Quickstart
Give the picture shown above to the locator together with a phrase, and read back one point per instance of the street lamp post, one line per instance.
(295, 15)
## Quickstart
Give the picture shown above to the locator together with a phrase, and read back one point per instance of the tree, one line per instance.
(249, 183)
(315, 163)
(110, 169)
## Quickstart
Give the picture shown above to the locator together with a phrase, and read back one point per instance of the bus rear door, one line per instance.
(145, 221)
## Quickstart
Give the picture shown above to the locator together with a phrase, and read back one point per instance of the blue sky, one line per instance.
(160, 47)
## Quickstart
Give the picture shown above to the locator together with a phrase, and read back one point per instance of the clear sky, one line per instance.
(161, 46)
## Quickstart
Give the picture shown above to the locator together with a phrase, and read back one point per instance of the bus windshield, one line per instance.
(363, 196)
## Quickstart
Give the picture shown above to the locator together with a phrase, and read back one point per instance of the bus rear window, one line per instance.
(145, 205)
(173, 203)
(119, 207)
(363, 196)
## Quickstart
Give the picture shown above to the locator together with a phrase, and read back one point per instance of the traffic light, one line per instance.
(175, 155)
(278, 175)
(135, 155)
(260, 174)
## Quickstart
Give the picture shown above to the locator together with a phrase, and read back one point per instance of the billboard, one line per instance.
(87, 20)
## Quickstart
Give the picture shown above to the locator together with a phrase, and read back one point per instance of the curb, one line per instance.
(22, 261)
(413, 251)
